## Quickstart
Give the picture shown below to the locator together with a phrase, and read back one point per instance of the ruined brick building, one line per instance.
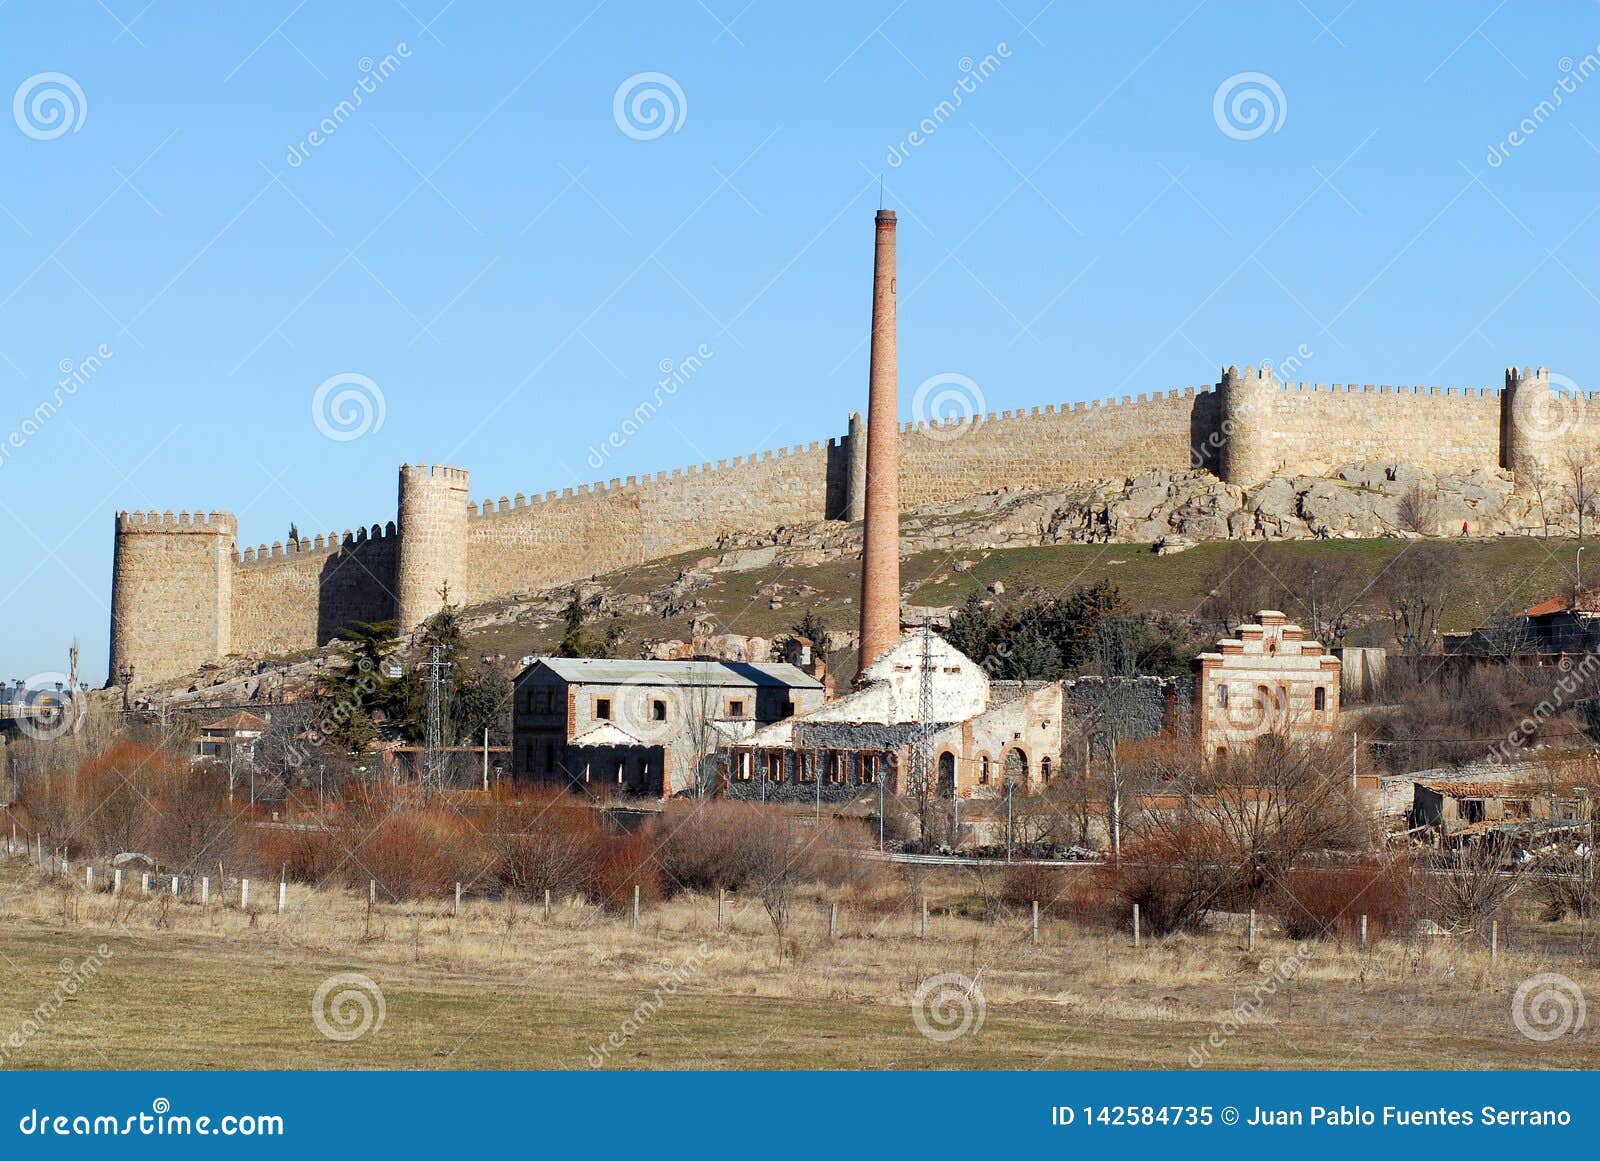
(183, 594)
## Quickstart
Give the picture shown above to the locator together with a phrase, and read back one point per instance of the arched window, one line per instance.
(1044, 768)
(1016, 766)
(984, 769)
(1321, 699)
(947, 773)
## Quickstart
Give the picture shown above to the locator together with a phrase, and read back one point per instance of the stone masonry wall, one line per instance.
(176, 611)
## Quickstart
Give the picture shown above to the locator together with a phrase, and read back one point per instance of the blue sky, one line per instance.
(507, 264)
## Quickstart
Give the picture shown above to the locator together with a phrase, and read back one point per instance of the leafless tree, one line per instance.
(1415, 588)
(1418, 508)
(1580, 489)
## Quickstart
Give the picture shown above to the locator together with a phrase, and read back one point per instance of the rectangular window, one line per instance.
(736, 708)
(775, 766)
(742, 766)
(658, 711)
(869, 768)
(602, 708)
(550, 757)
(1222, 697)
(788, 709)
(806, 766)
(1321, 698)
(838, 767)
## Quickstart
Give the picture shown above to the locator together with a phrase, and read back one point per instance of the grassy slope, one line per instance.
(1489, 574)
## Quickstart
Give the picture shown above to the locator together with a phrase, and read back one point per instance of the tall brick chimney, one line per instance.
(880, 558)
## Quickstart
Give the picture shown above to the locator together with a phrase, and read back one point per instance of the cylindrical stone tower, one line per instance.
(171, 593)
(880, 556)
(856, 445)
(1531, 425)
(433, 542)
(1249, 413)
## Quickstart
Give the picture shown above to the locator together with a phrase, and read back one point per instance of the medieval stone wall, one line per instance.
(181, 596)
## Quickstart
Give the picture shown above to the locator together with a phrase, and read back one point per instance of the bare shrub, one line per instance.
(1470, 887)
(1175, 874)
(1330, 899)
(542, 841)
(626, 861)
(1417, 509)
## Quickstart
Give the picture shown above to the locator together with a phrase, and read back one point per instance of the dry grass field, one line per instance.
(499, 986)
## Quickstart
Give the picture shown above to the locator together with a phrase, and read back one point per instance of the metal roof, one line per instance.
(609, 671)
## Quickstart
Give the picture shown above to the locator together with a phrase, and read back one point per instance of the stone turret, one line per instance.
(1249, 408)
(171, 592)
(856, 489)
(1533, 422)
(433, 542)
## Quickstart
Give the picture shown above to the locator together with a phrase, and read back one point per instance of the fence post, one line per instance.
(1494, 940)
(175, 881)
(456, 910)
(833, 921)
(372, 892)
(205, 892)
(1135, 925)
(244, 894)
(924, 917)
(636, 905)
(116, 881)
(283, 895)
(1036, 921)
(1250, 936)
(1363, 933)
(722, 895)
(88, 878)
(144, 882)
(547, 904)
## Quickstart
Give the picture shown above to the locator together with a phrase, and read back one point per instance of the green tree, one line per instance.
(355, 690)
(576, 641)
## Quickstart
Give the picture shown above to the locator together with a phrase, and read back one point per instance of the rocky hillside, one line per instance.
(735, 597)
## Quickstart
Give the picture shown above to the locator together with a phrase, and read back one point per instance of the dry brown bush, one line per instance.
(1330, 899)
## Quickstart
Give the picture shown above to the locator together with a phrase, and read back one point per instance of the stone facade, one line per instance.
(644, 728)
(182, 594)
(1269, 681)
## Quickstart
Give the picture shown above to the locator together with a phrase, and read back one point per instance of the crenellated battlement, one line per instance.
(208, 523)
(184, 594)
(328, 545)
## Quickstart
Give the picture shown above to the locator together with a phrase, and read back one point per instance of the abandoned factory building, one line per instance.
(644, 727)
(978, 733)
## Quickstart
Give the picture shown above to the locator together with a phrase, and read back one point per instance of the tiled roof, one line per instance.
(239, 722)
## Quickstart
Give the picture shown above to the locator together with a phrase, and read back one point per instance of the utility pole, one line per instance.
(1011, 784)
(920, 770)
(433, 774)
